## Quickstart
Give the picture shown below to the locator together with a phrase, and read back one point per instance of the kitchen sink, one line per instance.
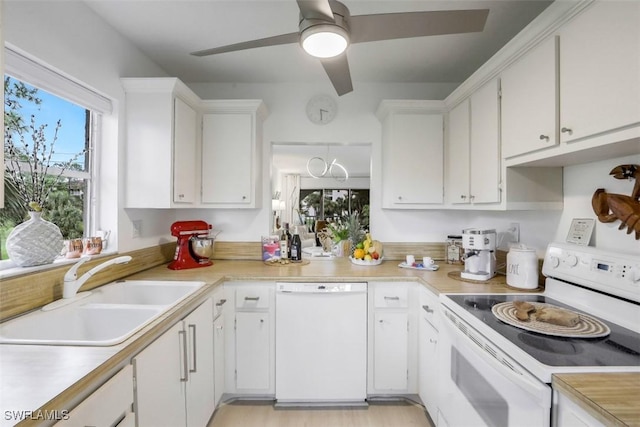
(108, 316)
(143, 292)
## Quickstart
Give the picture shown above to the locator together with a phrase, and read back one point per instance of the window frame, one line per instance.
(28, 69)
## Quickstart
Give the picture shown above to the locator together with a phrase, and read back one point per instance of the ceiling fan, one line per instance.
(326, 29)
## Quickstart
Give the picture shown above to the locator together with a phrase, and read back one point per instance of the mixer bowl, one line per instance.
(201, 247)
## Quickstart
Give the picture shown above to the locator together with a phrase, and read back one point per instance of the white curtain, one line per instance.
(291, 197)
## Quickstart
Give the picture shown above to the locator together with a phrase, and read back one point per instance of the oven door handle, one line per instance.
(523, 379)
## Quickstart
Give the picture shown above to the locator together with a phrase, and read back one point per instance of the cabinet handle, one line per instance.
(544, 138)
(432, 341)
(219, 327)
(463, 196)
(251, 298)
(471, 197)
(567, 130)
(392, 298)
(427, 309)
(261, 320)
(221, 303)
(192, 327)
(399, 197)
(182, 335)
(244, 197)
(181, 196)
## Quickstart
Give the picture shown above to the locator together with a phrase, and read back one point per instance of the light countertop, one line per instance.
(59, 377)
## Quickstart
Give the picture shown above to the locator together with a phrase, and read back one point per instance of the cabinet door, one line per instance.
(218, 358)
(107, 405)
(227, 158)
(413, 160)
(184, 152)
(391, 335)
(458, 154)
(600, 70)
(484, 152)
(253, 349)
(200, 385)
(160, 371)
(428, 366)
(530, 102)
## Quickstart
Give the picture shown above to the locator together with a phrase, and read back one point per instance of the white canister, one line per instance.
(522, 268)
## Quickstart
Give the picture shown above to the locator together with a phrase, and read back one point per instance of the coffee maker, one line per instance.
(479, 247)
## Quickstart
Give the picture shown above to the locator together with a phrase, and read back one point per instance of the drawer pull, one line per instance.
(182, 335)
(427, 309)
(251, 298)
(221, 303)
(192, 327)
(392, 298)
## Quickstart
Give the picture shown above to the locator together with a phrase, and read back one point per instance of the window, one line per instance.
(44, 129)
(334, 204)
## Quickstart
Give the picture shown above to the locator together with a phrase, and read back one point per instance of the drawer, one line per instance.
(252, 297)
(391, 296)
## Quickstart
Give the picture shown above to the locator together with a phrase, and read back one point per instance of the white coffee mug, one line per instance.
(427, 261)
(411, 260)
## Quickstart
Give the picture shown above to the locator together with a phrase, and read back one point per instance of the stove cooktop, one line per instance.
(620, 348)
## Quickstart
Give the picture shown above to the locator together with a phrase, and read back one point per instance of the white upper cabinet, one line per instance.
(458, 154)
(600, 70)
(484, 151)
(473, 154)
(412, 154)
(231, 153)
(530, 102)
(161, 145)
(575, 96)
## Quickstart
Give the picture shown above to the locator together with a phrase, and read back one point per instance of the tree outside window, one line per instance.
(57, 133)
(334, 204)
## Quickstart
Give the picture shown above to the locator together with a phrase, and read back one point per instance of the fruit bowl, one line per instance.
(367, 263)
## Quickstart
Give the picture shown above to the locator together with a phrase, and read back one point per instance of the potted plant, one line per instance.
(32, 176)
(346, 234)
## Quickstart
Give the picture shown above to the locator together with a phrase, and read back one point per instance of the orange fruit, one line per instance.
(358, 253)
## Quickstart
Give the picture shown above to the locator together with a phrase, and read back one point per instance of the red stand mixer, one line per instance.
(195, 245)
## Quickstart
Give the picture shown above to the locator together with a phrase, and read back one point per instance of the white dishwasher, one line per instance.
(321, 343)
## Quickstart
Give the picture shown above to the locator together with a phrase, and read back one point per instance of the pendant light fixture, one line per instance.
(317, 167)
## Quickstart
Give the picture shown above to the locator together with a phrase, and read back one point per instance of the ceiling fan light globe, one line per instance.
(324, 41)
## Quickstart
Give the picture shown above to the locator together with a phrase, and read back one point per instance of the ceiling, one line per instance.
(168, 30)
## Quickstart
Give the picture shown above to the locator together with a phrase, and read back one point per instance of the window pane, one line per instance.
(46, 142)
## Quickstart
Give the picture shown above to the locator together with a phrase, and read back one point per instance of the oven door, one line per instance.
(480, 386)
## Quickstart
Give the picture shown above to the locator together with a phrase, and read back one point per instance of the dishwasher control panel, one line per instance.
(320, 287)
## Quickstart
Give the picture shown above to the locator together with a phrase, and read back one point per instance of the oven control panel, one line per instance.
(610, 272)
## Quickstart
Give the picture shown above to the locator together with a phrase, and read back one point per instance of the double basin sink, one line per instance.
(107, 316)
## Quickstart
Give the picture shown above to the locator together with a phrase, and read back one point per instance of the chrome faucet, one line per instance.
(72, 283)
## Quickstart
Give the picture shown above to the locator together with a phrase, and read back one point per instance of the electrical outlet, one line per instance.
(137, 229)
(514, 230)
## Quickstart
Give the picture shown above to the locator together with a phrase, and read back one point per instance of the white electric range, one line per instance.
(498, 373)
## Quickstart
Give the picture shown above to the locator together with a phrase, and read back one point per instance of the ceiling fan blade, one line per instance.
(337, 69)
(316, 9)
(389, 26)
(268, 41)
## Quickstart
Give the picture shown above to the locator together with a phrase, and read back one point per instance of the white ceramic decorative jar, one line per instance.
(34, 242)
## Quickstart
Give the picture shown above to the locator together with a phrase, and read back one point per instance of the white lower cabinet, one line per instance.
(174, 383)
(569, 414)
(110, 405)
(428, 352)
(250, 339)
(392, 339)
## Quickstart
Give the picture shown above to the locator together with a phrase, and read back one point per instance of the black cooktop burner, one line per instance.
(620, 348)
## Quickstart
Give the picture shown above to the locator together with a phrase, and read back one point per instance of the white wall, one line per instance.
(70, 38)
(580, 182)
(356, 122)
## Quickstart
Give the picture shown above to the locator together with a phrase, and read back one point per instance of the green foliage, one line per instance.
(28, 157)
